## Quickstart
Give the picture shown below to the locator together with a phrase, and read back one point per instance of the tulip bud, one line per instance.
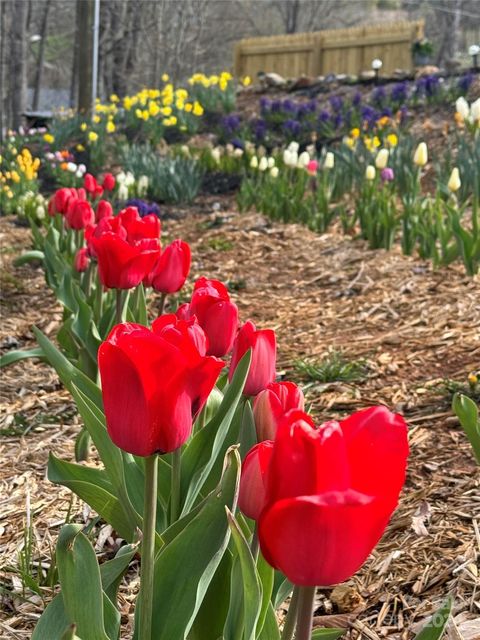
(462, 107)
(213, 404)
(251, 497)
(454, 182)
(108, 182)
(293, 147)
(271, 162)
(254, 162)
(420, 157)
(172, 268)
(89, 183)
(104, 210)
(263, 164)
(475, 110)
(303, 160)
(312, 167)
(387, 174)
(370, 172)
(79, 215)
(382, 159)
(272, 404)
(274, 172)
(262, 366)
(329, 161)
(82, 260)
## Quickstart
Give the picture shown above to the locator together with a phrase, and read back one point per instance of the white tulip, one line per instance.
(420, 157)
(329, 160)
(370, 172)
(274, 172)
(238, 153)
(475, 110)
(303, 160)
(271, 162)
(254, 162)
(381, 160)
(263, 164)
(461, 105)
(293, 146)
(454, 183)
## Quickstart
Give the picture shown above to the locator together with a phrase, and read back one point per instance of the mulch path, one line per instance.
(411, 326)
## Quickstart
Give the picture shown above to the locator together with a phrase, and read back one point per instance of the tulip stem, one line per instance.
(175, 488)
(118, 305)
(254, 543)
(88, 279)
(306, 598)
(161, 306)
(148, 546)
(291, 619)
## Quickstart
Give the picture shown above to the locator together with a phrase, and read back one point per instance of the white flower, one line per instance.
(454, 182)
(303, 160)
(129, 179)
(274, 172)
(142, 185)
(185, 150)
(370, 172)
(475, 110)
(461, 105)
(263, 164)
(72, 167)
(420, 157)
(216, 154)
(238, 153)
(40, 212)
(381, 160)
(329, 160)
(122, 192)
(82, 169)
(293, 146)
(229, 149)
(290, 158)
(254, 162)
(121, 177)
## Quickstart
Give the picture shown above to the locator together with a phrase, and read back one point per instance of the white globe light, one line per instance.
(474, 50)
(377, 64)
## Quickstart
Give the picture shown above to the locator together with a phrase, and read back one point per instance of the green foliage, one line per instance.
(170, 179)
(467, 412)
(333, 367)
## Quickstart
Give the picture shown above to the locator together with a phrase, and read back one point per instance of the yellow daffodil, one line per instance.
(92, 136)
(246, 81)
(392, 139)
(165, 77)
(197, 109)
(49, 138)
(110, 126)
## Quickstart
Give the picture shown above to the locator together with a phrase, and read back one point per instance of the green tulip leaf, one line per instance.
(208, 446)
(94, 487)
(266, 574)
(82, 445)
(434, 629)
(327, 634)
(112, 571)
(467, 412)
(282, 588)
(248, 433)
(85, 604)
(70, 633)
(185, 567)
(270, 629)
(249, 588)
(28, 256)
(52, 622)
(20, 354)
(67, 373)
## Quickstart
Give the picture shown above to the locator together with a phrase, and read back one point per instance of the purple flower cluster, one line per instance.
(144, 207)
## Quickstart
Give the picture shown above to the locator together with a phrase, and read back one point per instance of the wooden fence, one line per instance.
(318, 53)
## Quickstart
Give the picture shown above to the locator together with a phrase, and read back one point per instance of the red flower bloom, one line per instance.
(104, 210)
(171, 269)
(251, 498)
(330, 493)
(90, 183)
(262, 366)
(216, 314)
(123, 265)
(139, 228)
(154, 384)
(79, 214)
(272, 404)
(108, 182)
(61, 199)
(82, 260)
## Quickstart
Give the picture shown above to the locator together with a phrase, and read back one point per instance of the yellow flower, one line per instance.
(92, 136)
(472, 379)
(80, 147)
(392, 139)
(179, 104)
(114, 98)
(49, 138)
(246, 81)
(167, 111)
(350, 142)
(197, 109)
(188, 107)
(110, 127)
(355, 133)
(383, 121)
(96, 119)
(420, 157)
(370, 172)
(454, 182)
(376, 142)
(15, 177)
(165, 77)
(153, 108)
(83, 126)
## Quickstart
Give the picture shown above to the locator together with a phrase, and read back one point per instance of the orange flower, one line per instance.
(64, 166)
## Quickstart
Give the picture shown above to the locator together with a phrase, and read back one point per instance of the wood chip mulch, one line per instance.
(413, 328)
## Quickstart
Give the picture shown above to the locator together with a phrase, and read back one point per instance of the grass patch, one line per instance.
(334, 367)
(220, 244)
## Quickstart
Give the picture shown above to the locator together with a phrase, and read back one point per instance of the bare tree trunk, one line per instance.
(18, 62)
(76, 46)
(85, 53)
(2, 62)
(41, 56)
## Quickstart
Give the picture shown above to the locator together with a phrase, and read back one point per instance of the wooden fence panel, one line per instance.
(335, 51)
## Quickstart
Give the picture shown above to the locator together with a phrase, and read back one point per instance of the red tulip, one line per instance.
(154, 384)
(330, 493)
(108, 182)
(262, 365)
(89, 183)
(123, 265)
(61, 198)
(104, 210)
(216, 314)
(171, 269)
(272, 404)
(139, 228)
(82, 260)
(251, 498)
(79, 214)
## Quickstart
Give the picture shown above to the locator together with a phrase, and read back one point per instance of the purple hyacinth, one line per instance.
(144, 208)
(387, 174)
